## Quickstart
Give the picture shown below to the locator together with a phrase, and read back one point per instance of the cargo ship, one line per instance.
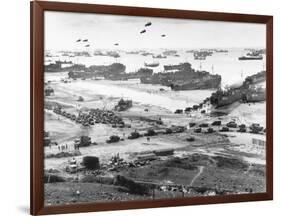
(201, 55)
(247, 57)
(170, 52)
(253, 55)
(108, 53)
(153, 64)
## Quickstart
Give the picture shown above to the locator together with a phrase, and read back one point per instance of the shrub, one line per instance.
(51, 178)
(91, 162)
(85, 141)
(132, 186)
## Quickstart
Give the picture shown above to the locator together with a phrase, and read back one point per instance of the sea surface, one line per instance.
(225, 64)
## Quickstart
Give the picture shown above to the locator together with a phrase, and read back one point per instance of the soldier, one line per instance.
(78, 194)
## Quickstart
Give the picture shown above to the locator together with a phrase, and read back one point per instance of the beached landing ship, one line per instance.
(98, 70)
(228, 97)
(255, 95)
(247, 92)
(178, 67)
(208, 82)
(184, 77)
(57, 66)
(255, 78)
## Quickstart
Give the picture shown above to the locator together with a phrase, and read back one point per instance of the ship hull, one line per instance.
(249, 58)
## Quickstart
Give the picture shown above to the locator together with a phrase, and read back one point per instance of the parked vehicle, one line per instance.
(224, 129)
(150, 132)
(190, 139)
(256, 128)
(72, 166)
(216, 123)
(192, 124)
(134, 135)
(113, 139)
(242, 130)
(198, 130)
(231, 124)
(210, 130)
(204, 125)
(179, 111)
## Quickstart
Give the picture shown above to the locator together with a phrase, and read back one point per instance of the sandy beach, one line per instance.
(151, 102)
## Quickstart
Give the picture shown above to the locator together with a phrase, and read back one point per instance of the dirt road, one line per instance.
(201, 168)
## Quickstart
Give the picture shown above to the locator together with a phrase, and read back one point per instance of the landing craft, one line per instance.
(163, 35)
(78, 40)
(148, 24)
(143, 31)
(85, 40)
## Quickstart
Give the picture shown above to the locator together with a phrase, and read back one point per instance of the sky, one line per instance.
(62, 29)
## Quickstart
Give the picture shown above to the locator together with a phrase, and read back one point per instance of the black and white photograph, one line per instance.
(148, 108)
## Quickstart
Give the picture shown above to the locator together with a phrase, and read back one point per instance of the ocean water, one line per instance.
(225, 64)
